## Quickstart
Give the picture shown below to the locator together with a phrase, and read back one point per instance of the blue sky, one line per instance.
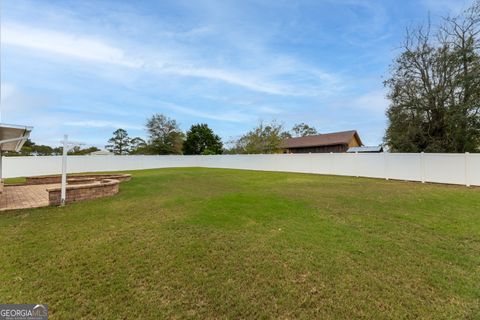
(88, 67)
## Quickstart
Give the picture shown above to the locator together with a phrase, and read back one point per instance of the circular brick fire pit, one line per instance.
(45, 190)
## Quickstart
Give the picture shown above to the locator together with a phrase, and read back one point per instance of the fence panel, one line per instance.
(442, 168)
(446, 168)
(473, 169)
(369, 165)
(403, 166)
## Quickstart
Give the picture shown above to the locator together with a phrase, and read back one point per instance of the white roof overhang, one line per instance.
(12, 137)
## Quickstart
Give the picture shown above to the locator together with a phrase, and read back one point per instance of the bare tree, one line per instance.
(165, 136)
(435, 88)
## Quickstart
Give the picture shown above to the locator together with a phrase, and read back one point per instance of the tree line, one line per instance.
(30, 148)
(165, 137)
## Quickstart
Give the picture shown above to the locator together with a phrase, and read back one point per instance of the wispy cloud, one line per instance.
(269, 110)
(248, 81)
(97, 50)
(194, 32)
(102, 124)
(224, 116)
(16, 103)
(446, 6)
(374, 101)
(77, 46)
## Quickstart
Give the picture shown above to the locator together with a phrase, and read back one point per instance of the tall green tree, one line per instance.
(165, 136)
(264, 138)
(138, 146)
(119, 143)
(200, 139)
(303, 130)
(434, 88)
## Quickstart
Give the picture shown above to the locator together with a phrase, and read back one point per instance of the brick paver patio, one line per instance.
(22, 197)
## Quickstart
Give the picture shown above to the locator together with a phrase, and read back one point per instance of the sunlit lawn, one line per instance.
(211, 243)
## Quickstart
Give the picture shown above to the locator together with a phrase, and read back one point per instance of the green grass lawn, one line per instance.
(212, 243)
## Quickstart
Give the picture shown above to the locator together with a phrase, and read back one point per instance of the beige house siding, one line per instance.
(354, 142)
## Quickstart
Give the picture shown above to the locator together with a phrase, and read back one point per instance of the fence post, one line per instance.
(331, 162)
(356, 164)
(467, 182)
(385, 165)
(422, 166)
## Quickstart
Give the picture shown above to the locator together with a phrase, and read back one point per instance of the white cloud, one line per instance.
(194, 32)
(76, 46)
(224, 116)
(264, 79)
(15, 103)
(447, 6)
(102, 124)
(269, 110)
(242, 80)
(374, 101)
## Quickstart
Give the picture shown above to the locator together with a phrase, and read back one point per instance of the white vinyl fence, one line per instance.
(429, 167)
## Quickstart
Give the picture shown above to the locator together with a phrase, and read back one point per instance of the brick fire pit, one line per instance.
(45, 190)
(79, 192)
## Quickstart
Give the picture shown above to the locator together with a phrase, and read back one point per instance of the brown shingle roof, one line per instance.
(327, 139)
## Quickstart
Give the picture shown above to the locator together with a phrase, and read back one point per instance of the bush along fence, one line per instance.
(451, 168)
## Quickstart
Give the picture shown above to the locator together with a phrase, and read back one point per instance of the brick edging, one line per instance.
(74, 193)
(75, 179)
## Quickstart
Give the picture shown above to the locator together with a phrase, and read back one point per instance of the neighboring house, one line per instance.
(323, 143)
(366, 149)
(101, 153)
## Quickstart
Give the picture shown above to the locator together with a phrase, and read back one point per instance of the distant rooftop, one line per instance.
(101, 153)
(365, 149)
(327, 139)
